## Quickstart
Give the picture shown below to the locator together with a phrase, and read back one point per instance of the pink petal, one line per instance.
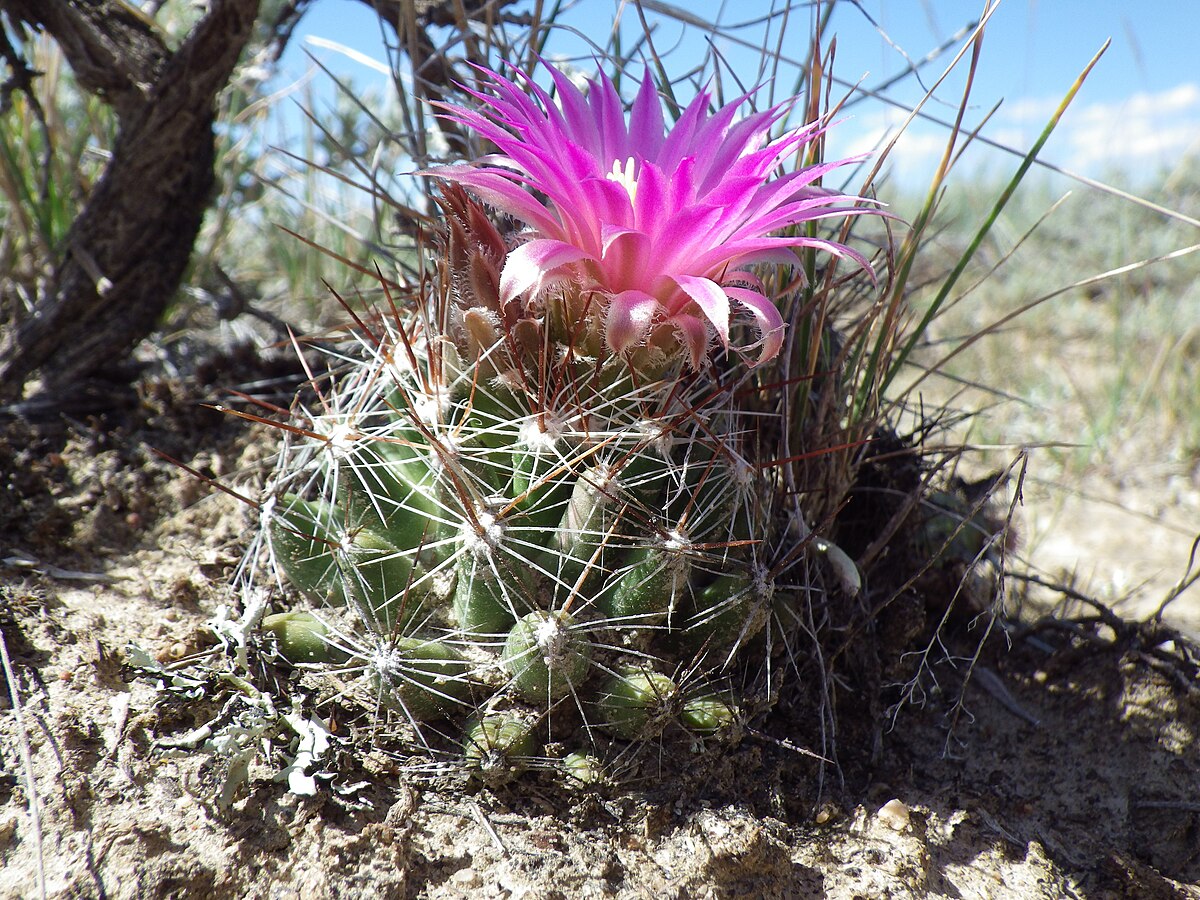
(712, 300)
(497, 188)
(679, 143)
(532, 262)
(693, 334)
(768, 249)
(602, 201)
(740, 141)
(646, 119)
(650, 205)
(630, 314)
(764, 219)
(580, 123)
(609, 112)
(769, 321)
(628, 258)
(683, 237)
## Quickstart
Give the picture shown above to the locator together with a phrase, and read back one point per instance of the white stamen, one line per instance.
(624, 176)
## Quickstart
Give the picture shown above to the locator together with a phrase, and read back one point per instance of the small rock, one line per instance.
(8, 828)
(894, 814)
(466, 878)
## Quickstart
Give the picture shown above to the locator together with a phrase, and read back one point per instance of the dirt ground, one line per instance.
(1069, 769)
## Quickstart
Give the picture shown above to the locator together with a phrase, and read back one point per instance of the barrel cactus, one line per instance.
(543, 500)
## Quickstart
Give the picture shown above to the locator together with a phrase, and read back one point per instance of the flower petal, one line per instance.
(767, 318)
(496, 187)
(630, 314)
(646, 119)
(693, 334)
(530, 263)
(712, 300)
(628, 256)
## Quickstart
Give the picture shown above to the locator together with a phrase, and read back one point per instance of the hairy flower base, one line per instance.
(658, 224)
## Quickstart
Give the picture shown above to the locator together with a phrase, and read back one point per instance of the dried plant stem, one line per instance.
(35, 812)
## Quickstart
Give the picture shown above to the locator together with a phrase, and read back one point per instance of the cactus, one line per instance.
(542, 499)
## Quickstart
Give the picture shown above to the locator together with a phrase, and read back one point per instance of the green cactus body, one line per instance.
(518, 526)
(375, 490)
(730, 611)
(303, 638)
(646, 470)
(546, 656)
(588, 534)
(539, 489)
(422, 679)
(302, 537)
(638, 704)
(494, 584)
(651, 587)
(498, 747)
(502, 561)
(378, 576)
(484, 597)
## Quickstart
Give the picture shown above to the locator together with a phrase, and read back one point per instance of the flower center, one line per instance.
(624, 176)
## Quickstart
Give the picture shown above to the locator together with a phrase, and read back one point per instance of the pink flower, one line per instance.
(660, 224)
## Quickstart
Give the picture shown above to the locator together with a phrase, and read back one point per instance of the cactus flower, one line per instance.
(653, 225)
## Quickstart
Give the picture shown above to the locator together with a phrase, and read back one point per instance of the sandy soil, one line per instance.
(1069, 769)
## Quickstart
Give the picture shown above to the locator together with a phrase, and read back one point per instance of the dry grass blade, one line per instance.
(31, 793)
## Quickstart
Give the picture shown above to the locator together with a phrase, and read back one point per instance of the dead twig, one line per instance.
(35, 812)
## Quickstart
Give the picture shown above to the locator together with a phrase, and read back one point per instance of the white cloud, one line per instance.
(1138, 134)
(1035, 110)
(1181, 98)
(914, 155)
(1132, 148)
(1143, 132)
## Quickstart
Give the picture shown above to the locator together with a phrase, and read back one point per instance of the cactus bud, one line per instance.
(582, 769)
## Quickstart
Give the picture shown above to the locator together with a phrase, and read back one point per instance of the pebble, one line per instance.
(894, 814)
(466, 878)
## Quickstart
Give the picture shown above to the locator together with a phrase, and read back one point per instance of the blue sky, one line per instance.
(1136, 116)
